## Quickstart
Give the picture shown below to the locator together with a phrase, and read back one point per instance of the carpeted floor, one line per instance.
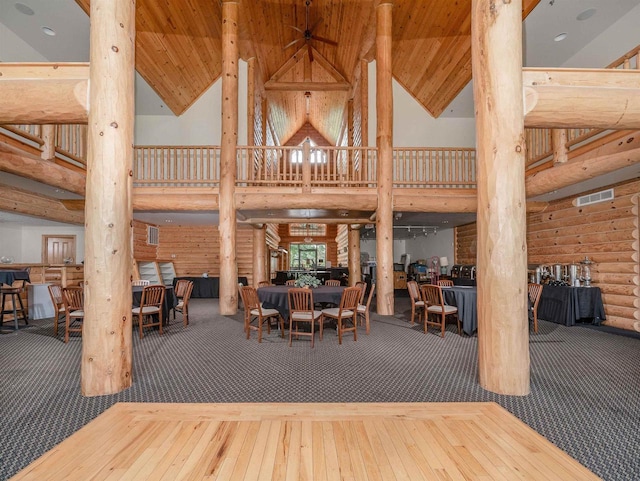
(585, 384)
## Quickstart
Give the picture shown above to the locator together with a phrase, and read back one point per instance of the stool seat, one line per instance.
(12, 294)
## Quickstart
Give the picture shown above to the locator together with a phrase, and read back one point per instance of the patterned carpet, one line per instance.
(585, 384)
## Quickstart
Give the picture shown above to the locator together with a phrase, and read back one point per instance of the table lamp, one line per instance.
(444, 263)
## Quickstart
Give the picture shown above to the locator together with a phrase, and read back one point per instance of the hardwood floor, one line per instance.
(413, 441)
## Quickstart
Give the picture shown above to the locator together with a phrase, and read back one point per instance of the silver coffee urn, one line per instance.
(574, 275)
(586, 271)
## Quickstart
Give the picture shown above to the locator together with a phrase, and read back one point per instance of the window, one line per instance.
(308, 229)
(307, 256)
(316, 156)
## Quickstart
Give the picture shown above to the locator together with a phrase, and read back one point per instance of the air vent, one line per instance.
(594, 198)
(152, 235)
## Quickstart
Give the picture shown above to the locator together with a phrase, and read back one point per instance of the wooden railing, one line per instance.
(176, 166)
(539, 147)
(71, 142)
(434, 167)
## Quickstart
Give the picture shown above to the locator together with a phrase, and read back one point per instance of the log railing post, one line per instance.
(228, 171)
(503, 327)
(106, 331)
(384, 108)
(306, 166)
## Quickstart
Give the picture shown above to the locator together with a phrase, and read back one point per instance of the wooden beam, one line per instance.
(228, 264)
(27, 203)
(268, 201)
(384, 133)
(503, 328)
(106, 362)
(615, 152)
(17, 162)
(307, 86)
(44, 93)
(582, 98)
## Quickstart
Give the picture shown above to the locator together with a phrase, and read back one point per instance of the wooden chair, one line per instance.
(181, 287)
(73, 300)
(332, 282)
(141, 282)
(264, 284)
(432, 298)
(11, 303)
(363, 287)
(290, 282)
(445, 283)
(253, 311)
(151, 304)
(535, 291)
(417, 304)
(55, 291)
(363, 309)
(347, 310)
(183, 304)
(301, 311)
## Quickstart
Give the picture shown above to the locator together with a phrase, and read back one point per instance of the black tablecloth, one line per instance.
(170, 300)
(568, 305)
(275, 297)
(206, 286)
(466, 300)
(7, 276)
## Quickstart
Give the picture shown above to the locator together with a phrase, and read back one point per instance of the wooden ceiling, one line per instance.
(178, 52)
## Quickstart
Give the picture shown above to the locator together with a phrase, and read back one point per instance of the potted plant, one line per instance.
(307, 280)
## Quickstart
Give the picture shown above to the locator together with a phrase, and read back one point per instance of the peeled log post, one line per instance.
(106, 336)
(228, 265)
(503, 328)
(384, 213)
(251, 101)
(559, 145)
(48, 142)
(355, 272)
(259, 254)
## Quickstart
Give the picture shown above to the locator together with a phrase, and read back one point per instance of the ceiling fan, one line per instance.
(307, 33)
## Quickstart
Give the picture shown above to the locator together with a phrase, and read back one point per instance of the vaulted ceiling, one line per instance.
(178, 52)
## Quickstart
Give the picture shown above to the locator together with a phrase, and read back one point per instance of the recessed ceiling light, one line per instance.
(22, 8)
(586, 14)
(168, 221)
(560, 37)
(445, 221)
(49, 31)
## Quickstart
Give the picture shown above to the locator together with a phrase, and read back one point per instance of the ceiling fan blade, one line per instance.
(324, 40)
(296, 29)
(310, 50)
(292, 43)
(313, 27)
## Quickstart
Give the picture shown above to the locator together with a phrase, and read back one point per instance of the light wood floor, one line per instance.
(379, 441)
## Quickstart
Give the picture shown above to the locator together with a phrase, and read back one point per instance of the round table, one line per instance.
(275, 297)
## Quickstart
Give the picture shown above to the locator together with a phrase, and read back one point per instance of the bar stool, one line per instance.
(13, 294)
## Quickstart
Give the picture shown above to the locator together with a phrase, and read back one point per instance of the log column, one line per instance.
(49, 142)
(355, 272)
(559, 144)
(384, 109)
(106, 337)
(229, 142)
(503, 328)
(259, 254)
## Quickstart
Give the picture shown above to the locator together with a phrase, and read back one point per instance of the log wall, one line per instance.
(342, 244)
(197, 249)
(606, 232)
(142, 250)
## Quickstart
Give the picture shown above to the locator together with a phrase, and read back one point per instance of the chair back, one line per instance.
(432, 295)
(140, 282)
(264, 283)
(152, 296)
(363, 287)
(445, 283)
(332, 282)
(414, 290)
(535, 290)
(371, 292)
(73, 298)
(350, 299)
(250, 298)
(300, 301)
(55, 291)
(290, 282)
(181, 287)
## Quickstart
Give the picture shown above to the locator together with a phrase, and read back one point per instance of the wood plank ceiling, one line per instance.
(178, 52)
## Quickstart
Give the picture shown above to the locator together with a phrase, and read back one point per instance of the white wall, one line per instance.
(369, 246)
(200, 124)
(24, 242)
(440, 245)
(14, 49)
(413, 126)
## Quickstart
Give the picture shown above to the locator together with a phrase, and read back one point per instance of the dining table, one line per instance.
(276, 297)
(7, 276)
(465, 298)
(170, 300)
(570, 305)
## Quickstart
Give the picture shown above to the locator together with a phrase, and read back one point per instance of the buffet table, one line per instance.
(465, 298)
(568, 305)
(206, 286)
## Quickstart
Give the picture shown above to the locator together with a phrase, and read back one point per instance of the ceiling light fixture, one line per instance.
(49, 31)
(560, 37)
(586, 14)
(22, 8)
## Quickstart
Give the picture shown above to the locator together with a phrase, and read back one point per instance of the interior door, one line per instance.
(58, 248)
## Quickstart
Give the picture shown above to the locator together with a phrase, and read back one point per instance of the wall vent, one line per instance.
(152, 235)
(594, 198)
